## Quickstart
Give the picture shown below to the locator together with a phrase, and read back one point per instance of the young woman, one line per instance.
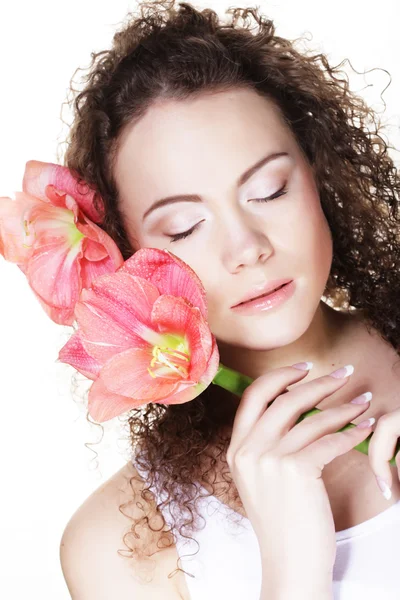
(257, 166)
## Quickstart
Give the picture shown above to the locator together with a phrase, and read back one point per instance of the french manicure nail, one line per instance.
(385, 489)
(343, 372)
(366, 423)
(303, 366)
(362, 399)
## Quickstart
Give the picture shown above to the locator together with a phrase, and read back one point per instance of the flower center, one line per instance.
(74, 235)
(173, 359)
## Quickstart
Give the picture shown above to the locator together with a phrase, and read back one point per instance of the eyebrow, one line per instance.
(196, 198)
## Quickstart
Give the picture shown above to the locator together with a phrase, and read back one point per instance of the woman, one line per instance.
(285, 186)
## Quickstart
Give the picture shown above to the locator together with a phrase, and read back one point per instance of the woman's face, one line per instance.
(202, 147)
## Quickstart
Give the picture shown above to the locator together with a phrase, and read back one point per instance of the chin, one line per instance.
(266, 332)
(263, 337)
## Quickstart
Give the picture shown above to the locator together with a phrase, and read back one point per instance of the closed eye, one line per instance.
(184, 234)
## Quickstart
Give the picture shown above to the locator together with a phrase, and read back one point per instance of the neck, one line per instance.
(322, 343)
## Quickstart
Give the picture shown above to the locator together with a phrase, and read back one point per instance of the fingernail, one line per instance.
(303, 366)
(385, 489)
(343, 372)
(362, 399)
(366, 423)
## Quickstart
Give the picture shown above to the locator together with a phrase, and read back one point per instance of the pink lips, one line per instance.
(263, 290)
(268, 301)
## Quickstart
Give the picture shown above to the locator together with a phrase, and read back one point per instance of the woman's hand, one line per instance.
(381, 449)
(276, 464)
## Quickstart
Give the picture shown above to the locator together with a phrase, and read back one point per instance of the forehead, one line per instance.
(178, 146)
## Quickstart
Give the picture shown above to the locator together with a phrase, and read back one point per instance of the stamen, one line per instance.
(160, 355)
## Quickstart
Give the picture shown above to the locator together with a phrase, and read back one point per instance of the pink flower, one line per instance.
(48, 231)
(143, 336)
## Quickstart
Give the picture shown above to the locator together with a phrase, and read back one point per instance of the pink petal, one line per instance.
(50, 222)
(53, 272)
(188, 391)
(213, 365)
(39, 174)
(127, 374)
(103, 405)
(174, 315)
(57, 270)
(74, 354)
(115, 314)
(15, 240)
(169, 274)
(61, 316)
(93, 270)
(99, 244)
(94, 251)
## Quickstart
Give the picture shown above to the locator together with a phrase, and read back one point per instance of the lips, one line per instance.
(261, 295)
(265, 290)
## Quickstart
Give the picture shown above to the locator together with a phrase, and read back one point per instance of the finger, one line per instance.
(316, 426)
(256, 397)
(382, 447)
(323, 451)
(285, 411)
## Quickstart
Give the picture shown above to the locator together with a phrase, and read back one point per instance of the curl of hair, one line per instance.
(174, 53)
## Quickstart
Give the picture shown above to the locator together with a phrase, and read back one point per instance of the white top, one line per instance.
(226, 563)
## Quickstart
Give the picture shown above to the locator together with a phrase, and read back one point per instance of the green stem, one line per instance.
(236, 383)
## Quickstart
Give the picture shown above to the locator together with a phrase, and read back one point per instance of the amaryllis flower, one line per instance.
(50, 233)
(143, 336)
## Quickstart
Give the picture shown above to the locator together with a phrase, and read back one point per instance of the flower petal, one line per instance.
(53, 272)
(127, 374)
(103, 405)
(37, 234)
(188, 391)
(169, 274)
(115, 314)
(39, 174)
(100, 248)
(61, 316)
(97, 245)
(174, 315)
(15, 240)
(74, 354)
(94, 251)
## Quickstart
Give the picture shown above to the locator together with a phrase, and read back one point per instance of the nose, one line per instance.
(247, 247)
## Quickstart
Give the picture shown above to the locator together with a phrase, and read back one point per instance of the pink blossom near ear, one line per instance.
(53, 241)
(143, 336)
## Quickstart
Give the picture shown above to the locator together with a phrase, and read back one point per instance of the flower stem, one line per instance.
(236, 383)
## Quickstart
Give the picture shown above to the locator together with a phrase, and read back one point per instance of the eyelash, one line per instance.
(180, 236)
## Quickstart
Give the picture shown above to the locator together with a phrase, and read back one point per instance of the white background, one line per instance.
(46, 469)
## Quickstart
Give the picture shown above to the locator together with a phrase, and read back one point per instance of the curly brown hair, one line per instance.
(176, 52)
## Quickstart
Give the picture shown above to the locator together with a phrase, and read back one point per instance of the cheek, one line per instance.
(311, 238)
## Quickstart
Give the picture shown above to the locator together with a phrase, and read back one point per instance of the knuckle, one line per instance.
(268, 461)
(383, 420)
(243, 456)
(290, 464)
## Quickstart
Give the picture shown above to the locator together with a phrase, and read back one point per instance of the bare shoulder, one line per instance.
(92, 566)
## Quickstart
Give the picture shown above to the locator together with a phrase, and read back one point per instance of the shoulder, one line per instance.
(92, 567)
